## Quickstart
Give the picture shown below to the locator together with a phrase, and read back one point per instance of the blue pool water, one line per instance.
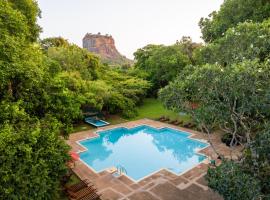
(142, 150)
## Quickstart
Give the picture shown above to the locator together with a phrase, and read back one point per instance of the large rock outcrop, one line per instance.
(104, 46)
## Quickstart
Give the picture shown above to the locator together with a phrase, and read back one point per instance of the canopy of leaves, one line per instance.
(245, 41)
(164, 63)
(230, 14)
(32, 158)
(53, 42)
(232, 182)
(30, 11)
(234, 98)
(248, 179)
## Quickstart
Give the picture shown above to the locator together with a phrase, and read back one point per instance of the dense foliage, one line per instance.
(234, 98)
(232, 182)
(32, 159)
(247, 40)
(163, 63)
(90, 83)
(228, 88)
(44, 84)
(249, 179)
(230, 14)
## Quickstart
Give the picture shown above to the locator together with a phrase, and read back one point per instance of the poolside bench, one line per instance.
(78, 186)
(91, 196)
(81, 193)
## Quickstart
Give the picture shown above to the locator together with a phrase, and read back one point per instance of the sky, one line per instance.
(132, 23)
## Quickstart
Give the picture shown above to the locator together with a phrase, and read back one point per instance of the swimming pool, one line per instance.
(142, 150)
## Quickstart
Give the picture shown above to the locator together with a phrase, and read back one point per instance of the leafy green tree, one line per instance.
(247, 178)
(124, 91)
(74, 58)
(53, 42)
(162, 63)
(32, 159)
(230, 14)
(189, 48)
(30, 11)
(234, 98)
(256, 160)
(32, 155)
(232, 182)
(247, 40)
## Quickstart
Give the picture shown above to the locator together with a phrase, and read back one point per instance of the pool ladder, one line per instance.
(121, 170)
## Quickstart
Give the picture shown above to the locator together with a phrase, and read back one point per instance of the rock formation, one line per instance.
(104, 46)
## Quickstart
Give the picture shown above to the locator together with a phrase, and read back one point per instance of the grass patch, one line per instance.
(153, 109)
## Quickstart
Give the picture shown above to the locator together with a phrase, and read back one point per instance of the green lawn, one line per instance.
(151, 108)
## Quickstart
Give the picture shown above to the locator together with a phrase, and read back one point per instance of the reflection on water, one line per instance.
(142, 150)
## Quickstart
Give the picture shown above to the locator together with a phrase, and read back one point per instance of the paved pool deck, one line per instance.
(162, 185)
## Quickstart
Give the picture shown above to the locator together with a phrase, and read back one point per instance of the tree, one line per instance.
(247, 178)
(230, 14)
(32, 159)
(247, 40)
(74, 58)
(162, 63)
(53, 42)
(30, 11)
(32, 155)
(234, 98)
(124, 92)
(232, 182)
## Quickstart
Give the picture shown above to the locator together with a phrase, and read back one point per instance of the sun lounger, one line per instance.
(91, 196)
(160, 118)
(177, 122)
(78, 186)
(81, 193)
(172, 121)
(165, 119)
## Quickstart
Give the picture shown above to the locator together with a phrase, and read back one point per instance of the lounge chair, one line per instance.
(91, 196)
(78, 186)
(178, 122)
(187, 125)
(172, 121)
(161, 118)
(81, 193)
(165, 119)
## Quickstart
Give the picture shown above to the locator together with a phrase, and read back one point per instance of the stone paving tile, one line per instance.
(168, 191)
(109, 194)
(202, 181)
(84, 172)
(150, 185)
(202, 194)
(103, 173)
(125, 180)
(121, 188)
(193, 173)
(134, 186)
(168, 174)
(179, 180)
(104, 181)
(142, 196)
